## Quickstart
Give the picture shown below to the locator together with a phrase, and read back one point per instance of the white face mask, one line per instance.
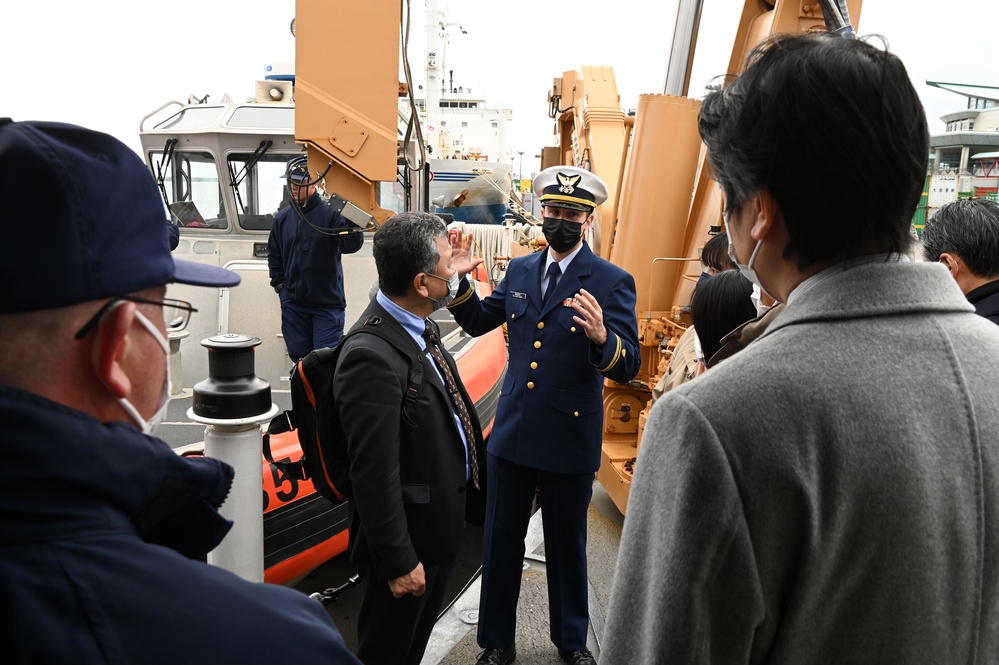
(452, 286)
(747, 268)
(761, 309)
(149, 426)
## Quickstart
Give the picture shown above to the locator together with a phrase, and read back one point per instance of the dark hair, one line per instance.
(715, 253)
(404, 246)
(834, 130)
(719, 306)
(969, 229)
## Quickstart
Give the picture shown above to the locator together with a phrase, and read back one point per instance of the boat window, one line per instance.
(260, 190)
(190, 186)
(263, 117)
(192, 117)
(391, 196)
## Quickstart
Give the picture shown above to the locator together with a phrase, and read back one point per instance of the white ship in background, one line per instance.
(465, 139)
(219, 165)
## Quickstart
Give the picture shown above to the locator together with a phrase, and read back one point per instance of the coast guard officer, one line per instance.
(571, 322)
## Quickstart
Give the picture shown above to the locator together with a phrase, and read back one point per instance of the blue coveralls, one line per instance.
(306, 264)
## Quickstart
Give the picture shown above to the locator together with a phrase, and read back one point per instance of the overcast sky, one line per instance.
(107, 63)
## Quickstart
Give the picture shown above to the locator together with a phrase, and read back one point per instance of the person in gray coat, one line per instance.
(829, 494)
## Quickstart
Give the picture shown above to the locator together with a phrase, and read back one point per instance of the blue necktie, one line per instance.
(553, 272)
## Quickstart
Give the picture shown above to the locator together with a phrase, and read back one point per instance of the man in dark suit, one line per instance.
(964, 236)
(414, 474)
(548, 428)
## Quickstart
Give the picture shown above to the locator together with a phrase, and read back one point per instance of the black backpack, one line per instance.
(314, 414)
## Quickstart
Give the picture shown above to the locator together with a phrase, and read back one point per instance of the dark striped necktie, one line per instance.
(437, 353)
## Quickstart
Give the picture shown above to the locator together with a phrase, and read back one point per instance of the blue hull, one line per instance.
(477, 214)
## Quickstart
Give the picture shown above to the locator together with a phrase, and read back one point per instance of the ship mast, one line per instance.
(435, 27)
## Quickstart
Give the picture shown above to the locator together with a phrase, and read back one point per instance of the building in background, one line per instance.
(964, 160)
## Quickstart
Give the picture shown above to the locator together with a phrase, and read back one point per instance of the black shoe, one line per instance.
(498, 656)
(581, 657)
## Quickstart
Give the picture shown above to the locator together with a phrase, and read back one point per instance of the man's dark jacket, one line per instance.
(99, 529)
(409, 490)
(306, 260)
(986, 301)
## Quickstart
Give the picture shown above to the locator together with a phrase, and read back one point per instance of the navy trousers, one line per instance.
(565, 500)
(306, 328)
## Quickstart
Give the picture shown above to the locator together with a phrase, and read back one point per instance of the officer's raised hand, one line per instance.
(461, 256)
(590, 316)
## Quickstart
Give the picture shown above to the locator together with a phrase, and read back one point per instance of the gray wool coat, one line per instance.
(830, 494)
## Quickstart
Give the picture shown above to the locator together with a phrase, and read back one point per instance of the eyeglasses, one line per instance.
(443, 279)
(176, 313)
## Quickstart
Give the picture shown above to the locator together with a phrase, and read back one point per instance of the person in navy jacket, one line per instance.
(304, 252)
(964, 236)
(571, 323)
(104, 528)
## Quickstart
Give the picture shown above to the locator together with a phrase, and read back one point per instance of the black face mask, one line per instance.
(562, 235)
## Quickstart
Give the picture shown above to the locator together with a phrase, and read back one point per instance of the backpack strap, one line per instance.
(285, 421)
(282, 422)
(404, 345)
(415, 383)
(279, 424)
(291, 469)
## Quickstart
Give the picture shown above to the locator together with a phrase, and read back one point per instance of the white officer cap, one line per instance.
(569, 187)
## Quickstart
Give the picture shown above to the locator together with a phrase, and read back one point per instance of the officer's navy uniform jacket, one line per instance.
(550, 413)
(307, 261)
(548, 429)
(100, 527)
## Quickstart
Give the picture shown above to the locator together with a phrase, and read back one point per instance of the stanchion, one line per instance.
(232, 402)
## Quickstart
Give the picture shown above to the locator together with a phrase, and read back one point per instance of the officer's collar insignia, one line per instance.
(568, 182)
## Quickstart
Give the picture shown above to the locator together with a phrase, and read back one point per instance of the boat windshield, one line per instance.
(251, 189)
(189, 183)
(391, 196)
(258, 187)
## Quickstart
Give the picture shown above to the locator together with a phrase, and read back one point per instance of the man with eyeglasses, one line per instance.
(104, 526)
(417, 473)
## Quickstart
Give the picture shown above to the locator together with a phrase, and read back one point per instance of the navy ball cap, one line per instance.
(81, 219)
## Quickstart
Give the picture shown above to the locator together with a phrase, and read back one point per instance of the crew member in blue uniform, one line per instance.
(103, 525)
(571, 323)
(304, 258)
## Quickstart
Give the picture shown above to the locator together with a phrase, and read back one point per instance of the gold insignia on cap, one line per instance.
(568, 182)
